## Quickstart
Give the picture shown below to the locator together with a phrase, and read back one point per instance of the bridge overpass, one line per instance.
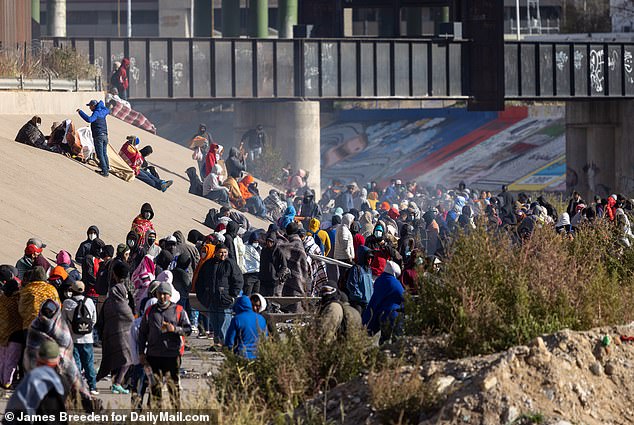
(358, 69)
(280, 82)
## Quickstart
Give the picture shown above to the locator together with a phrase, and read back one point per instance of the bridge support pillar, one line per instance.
(293, 129)
(599, 157)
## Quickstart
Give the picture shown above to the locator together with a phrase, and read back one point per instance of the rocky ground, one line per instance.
(563, 378)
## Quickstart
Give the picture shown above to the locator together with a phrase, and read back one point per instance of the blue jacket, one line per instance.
(360, 278)
(245, 329)
(97, 120)
(386, 300)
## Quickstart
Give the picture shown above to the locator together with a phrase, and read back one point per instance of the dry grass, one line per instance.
(58, 62)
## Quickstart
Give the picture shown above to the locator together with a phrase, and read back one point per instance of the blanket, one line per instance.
(137, 119)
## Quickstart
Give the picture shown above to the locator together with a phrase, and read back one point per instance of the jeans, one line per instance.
(138, 386)
(148, 178)
(219, 320)
(255, 153)
(84, 357)
(256, 206)
(101, 148)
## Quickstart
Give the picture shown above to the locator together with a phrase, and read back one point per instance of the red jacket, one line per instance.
(610, 209)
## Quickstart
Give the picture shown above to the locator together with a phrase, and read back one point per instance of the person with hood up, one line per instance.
(207, 141)
(275, 206)
(310, 209)
(235, 245)
(143, 222)
(507, 214)
(357, 238)
(299, 281)
(610, 207)
(162, 343)
(123, 79)
(30, 134)
(296, 181)
(344, 245)
(466, 220)
(273, 267)
(321, 236)
(235, 164)
(335, 316)
(63, 259)
(361, 202)
(28, 260)
(235, 196)
(345, 199)
(383, 249)
(182, 279)
(142, 276)
(84, 248)
(318, 267)
(288, 217)
(114, 324)
(386, 301)
(550, 209)
(49, 325)
(219, 283)
(42, 391)
(11, 333)
(366, 223)
(245, 329)
(35, 290)
(360, 284)
(189, 248)
(90, 267)
(252, 263)
(99, 130)
(212, 186)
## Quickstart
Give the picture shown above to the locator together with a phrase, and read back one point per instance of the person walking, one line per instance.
(81, 315)
(161, 344)
(99, 130)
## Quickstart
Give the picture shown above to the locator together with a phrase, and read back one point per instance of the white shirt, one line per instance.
(211, 183)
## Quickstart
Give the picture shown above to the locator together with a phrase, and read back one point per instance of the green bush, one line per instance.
(493, 294)
(268, 166)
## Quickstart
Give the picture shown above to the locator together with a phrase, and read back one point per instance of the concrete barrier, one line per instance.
(44, 103)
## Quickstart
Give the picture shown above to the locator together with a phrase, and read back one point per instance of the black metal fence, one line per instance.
(567, 70)
(203, 68)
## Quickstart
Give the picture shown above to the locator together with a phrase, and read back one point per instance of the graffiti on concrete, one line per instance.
(562, 59)
(596, 70)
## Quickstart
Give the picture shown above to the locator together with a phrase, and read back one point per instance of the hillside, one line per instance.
(55, 198)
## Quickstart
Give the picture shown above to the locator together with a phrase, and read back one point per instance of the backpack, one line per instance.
(82, 319)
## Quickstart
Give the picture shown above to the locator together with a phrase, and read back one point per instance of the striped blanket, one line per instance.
(137, 119)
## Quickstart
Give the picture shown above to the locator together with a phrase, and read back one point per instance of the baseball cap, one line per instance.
(48, 352)
(171, 239)
(32, 249)
(37, 242)
(92, 103)
(78, 286)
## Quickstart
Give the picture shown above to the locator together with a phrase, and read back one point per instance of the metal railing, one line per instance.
(204, 68)
(568, 70)
(49, 84)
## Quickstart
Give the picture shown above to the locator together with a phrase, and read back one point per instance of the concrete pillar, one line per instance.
(230, 18)
(287, 17)
(293, 128)
(203, 16)
(57, 18)
(259, 18)
(576, 154)
(599, 167)
(623, 151)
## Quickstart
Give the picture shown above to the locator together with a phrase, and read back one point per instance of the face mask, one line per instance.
(378, 233)
(163, 304)
(38, 125)
(130, 243)
(92, 236)
(151, 241)
(256, 244)
(147, 215)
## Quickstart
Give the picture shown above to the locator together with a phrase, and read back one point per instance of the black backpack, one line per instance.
(82, 319)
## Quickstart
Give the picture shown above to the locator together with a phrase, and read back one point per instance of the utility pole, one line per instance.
(517, 17)
(287, 17)
(259, 18)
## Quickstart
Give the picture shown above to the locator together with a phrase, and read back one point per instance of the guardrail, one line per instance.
(49, 84)
(319, 69)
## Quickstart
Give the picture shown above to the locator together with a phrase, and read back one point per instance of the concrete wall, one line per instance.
(293, 129)
(44, 103)
(599, 148)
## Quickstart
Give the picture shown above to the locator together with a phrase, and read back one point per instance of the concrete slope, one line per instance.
(56, 198)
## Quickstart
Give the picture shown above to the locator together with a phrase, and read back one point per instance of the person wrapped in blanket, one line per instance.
(30, 134)
(131, 155)
(65, 140)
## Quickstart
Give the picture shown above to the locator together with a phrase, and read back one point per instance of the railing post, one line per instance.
(21, 82)
(170, 69)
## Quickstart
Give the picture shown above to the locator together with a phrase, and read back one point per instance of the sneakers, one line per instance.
(202, 335)
(95, 392)
(118, 389)
(166, 184)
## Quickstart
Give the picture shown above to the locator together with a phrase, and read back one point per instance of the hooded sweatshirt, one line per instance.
(245, 329)
(386, 299)
(84, 247)
(235, 167)
(344, 247)
(360, 284)
(315, 230)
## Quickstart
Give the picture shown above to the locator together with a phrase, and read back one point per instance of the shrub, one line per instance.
(292, 368)
(268, 166)
(59, 62)
(494, 294)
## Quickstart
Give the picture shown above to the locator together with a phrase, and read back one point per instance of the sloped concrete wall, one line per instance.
(44, 102)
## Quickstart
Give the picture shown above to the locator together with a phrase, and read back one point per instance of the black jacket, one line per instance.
(219, 283)
(273, 266)
(84, 247)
